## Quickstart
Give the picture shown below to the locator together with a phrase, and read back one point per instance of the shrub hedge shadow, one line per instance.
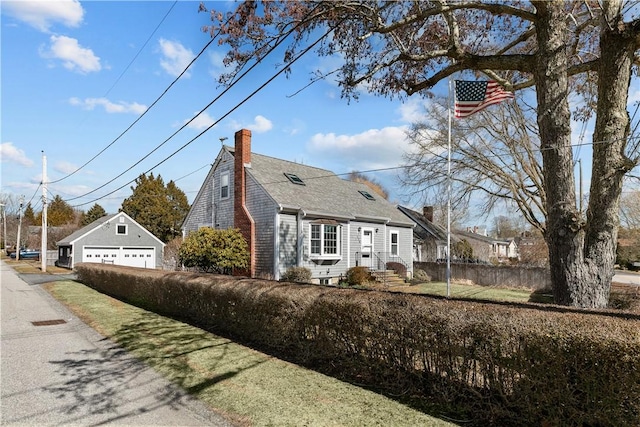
(491, 364)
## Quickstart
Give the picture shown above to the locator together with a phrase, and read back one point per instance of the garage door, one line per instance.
(101, 254)
(131, 257)
(138, 257)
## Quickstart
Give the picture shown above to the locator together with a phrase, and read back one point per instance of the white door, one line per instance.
(138, 257)
(367, 247)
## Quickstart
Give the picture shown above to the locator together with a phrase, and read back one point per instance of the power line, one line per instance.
(145, 112)
(258, 61)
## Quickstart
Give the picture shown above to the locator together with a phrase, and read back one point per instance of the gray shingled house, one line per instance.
(294, 215)
(429, 239)
(113, 239)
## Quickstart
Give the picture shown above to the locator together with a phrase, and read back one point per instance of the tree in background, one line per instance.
(215, 251)
(59, 213)
(563, 48)
(495, 160)
(159, 208)
(462, 250)
(29, 217)
(630, 210)
(96, 212)
(374, 185)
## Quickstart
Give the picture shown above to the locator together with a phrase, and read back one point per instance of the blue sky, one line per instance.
(69, 87)
(75, 75)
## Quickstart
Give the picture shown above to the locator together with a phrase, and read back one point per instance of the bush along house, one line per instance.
(294, 215)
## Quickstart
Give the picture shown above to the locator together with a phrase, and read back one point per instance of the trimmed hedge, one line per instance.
(488, 363)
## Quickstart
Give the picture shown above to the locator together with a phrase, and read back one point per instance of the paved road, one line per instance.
(630, 278)
(68, 374)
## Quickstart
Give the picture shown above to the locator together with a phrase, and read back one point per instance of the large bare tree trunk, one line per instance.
(581, 254)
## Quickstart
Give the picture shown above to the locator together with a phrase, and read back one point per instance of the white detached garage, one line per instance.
(113, 239)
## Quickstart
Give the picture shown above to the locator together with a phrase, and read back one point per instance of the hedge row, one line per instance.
(487, 363)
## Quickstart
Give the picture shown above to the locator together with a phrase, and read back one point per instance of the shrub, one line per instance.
(358, 276)
(399, 268)
(421, 275)
(217, 251)
(297, 274)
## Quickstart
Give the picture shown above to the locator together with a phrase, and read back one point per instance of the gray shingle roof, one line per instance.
(84, 230)
(426, 229)
(323, 194)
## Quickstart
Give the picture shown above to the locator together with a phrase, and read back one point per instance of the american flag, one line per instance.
(473, 96)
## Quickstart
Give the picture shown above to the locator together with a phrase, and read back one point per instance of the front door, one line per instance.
(367, 247)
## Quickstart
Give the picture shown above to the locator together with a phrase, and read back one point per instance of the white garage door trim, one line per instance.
(143, 257)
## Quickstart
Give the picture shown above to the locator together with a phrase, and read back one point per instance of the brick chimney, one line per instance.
(427, 211)
(241, 217)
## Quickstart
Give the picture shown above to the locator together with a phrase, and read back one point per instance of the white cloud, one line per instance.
(109, 106)
(202, 122)
(372, 149)
(260, 125)
(64, 167)
(217, 64)
(43, 14)
(9, 153)
(176, 57)
(73, 56)
(413, 110)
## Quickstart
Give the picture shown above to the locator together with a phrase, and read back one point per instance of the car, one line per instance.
(27, 254)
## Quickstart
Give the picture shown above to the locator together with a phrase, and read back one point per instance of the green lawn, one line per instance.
(248, 387)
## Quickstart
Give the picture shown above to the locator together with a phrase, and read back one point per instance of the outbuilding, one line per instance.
(113, 239)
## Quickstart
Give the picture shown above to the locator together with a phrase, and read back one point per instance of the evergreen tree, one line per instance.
(96, 212)
(59, 213)
(159, 208)
(29, 217)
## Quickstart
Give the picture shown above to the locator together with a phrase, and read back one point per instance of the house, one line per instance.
(113, 239)
(429, 239)
(488, 249)
(294, 215)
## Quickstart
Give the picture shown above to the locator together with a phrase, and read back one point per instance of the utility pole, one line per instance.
(19, 228)
(4, 226)
(43, 246)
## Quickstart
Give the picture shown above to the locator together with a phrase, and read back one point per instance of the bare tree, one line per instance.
(374, 185)
(495, 156)
(584, 47)
(630, 210)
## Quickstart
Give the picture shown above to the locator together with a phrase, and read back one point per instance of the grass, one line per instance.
(459, 290)
(247, 387)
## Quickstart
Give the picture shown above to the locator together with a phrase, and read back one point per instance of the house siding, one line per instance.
(320, 270)
(287, 242)
(105, 236)
(263, 212)
(209, 209)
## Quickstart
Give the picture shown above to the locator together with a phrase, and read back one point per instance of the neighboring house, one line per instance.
(488, 249)
(429, 239)
(294, 215)
(113, 239)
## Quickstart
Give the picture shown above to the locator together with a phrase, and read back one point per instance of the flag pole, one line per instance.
(449, 194)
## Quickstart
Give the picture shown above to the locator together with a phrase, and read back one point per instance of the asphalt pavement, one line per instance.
(56, 370)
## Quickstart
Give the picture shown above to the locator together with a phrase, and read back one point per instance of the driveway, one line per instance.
(56, 370)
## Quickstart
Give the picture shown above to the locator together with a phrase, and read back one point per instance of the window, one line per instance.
(325, 240)
(121, 229)
(294, 178)
(224, 185)
(366, 195)
(393, 240)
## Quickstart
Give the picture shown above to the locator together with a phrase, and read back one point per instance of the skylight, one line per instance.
(366, 195)
(294, 178)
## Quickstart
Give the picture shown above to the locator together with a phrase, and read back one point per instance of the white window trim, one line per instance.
(228, 186)
(126, 229)
(322, 255)
(397, 233)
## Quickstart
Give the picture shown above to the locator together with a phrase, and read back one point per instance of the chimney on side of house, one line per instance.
(427, 212)
(241, 217)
